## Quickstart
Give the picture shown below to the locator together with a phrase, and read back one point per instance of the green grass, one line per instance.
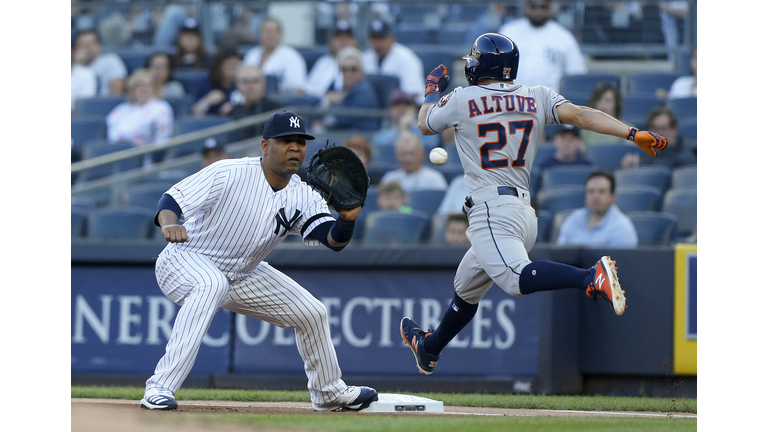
(581, 403)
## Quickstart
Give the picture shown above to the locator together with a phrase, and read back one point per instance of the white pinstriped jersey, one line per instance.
(498, 130)
(235, 218)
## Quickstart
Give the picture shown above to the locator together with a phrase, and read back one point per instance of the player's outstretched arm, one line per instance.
(597, 121)
(436, 83)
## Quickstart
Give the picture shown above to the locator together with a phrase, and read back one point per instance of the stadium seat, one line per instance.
(295, 100)
(639, 106)
(653, 228)
(535, 182)
(311, 55)
(393, 227)
(434, 55)
(684, 177)
(638, 198)
(145, 195)
(648, 83)
(84, 130)
(121, 222)
(684, 108)
(584, 83)
(385, 154)
(181, 105)
(565, 175)
(560, 198)
(98, 106)
(383, 84)
(86, 202)
(687, 130)
(412, 36)
(681, 202)
(196, 82)
(427, 201)
(450, 171)
(577, 97)
(557, 221)
(545, 151)
(452, 37)
(377, 170)
(98, 148)
(608, 156)
(649, 175)
(189, 124)
(544, 226)
(134, 58)
(79, 221)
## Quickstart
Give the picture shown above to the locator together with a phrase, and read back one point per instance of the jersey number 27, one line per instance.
(501, 132)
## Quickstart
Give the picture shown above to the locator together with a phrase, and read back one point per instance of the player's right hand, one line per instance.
(175, 233)
(648, 141)
(437, 80)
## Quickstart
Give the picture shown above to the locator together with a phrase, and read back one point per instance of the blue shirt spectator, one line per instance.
(568, 148)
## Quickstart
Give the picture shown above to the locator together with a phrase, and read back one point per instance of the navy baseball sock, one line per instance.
(548, 276)
(455, 318)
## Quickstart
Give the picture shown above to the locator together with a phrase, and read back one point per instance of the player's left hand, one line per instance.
(648, 141)
(437, 80)
(350, 214)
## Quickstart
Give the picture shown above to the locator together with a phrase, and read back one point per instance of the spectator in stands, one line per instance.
(250, 99)
(392, 198)
(241, 32)
(685, 86)
(278, 59)
(412, 174)
(550, 49)
(356, 92)
(143, 118)
(386, 56)
(456, 229)
(190, 52)
(662, 121)
(362, 148)
(568, 148)
(109, 67)
(672, 12)
(213, 151)
(326, 74)
(454, 196)
(605, 97)
(600, 223)
(402, 117)
(161, 67)
(84, 81)
(222, 75)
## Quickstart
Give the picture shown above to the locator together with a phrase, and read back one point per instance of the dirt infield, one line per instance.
(95, 415)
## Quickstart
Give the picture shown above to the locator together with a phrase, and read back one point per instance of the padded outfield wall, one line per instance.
(557, 342)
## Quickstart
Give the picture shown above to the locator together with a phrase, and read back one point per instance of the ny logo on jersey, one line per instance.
(282, 221)
(295, 122)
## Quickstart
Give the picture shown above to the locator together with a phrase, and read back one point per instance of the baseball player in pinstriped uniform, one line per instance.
(235, 212)
(498, 126)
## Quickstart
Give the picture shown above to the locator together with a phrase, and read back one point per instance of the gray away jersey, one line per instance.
(498, 130)
(233, 216)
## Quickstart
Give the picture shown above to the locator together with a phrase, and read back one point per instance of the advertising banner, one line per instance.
(685, 310)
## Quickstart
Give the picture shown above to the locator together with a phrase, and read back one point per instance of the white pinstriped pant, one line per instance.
(200, 288)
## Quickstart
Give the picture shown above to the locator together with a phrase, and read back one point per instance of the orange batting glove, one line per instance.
(647, 141)
(437, 81)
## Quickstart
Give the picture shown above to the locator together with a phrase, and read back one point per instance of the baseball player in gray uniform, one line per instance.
(234, 213)
(498, 126)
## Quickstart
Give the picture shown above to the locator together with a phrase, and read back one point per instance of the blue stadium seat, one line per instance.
(393, 227)
(295, 100)
(134, 58)
(79, 221)
(383, 84)
(435, 55)
(86, 202)
(98, 106)
(427, 201)
(385, 154)
(639, 106)
(376, 170)
(608, 156)
(544, 226)
(560, 198)
(311, 55)
(189, 124)
(653, 228)
(98, 148)
(648, 83)
(638, 198)
(557, 221)
(545, 151)
(688, 130)
(684, 177)
(565, 175)
(412, 36)
(584, 83)
(681, 202)
(181, 105)
(452, 36)
(145, 195)
(577, 97)
(121, 223)
(85, 130)
(196, 82)
(684, 108)
(450, 171)
(648, 175)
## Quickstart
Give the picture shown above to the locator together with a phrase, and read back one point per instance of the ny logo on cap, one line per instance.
(295, 122)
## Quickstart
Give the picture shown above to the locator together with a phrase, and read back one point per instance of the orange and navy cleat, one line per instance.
(606, 285)
(414, 337)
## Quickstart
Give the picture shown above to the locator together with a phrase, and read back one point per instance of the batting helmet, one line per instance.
(493, 56)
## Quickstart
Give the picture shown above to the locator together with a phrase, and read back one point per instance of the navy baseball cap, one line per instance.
(379, 29)
(211, 143)
(567, 128)
(343, 26)
(190, 25)
(285, 123)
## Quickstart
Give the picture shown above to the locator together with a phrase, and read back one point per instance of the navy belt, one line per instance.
(503, 190)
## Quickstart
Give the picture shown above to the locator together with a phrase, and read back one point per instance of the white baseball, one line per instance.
(438, 156)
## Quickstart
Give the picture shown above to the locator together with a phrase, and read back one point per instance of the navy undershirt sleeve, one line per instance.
(167, 203)
(320, 233)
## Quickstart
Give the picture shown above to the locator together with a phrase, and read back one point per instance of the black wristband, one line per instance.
(345, 225)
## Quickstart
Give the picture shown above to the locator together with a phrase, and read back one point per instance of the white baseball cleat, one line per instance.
(353, 398)
(606, 285)
(160, 399)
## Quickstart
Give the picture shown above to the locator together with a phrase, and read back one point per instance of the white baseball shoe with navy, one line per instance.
(159, 398)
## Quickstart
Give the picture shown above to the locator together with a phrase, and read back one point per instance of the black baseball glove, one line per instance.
(339, 174)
